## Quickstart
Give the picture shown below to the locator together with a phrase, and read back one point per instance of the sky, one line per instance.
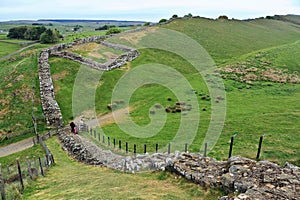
(146, 10)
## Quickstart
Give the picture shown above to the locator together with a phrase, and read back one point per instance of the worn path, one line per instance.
(16, 147)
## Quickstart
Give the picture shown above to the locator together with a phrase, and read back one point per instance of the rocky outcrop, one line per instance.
(248, 178)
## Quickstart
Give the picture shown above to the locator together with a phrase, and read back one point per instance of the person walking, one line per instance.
(72, 125)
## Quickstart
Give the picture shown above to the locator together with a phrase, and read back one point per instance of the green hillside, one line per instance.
(253, 107)
(18, 77)
(226, 40)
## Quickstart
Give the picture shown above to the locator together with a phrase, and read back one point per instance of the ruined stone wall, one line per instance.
(247, 178)
(50, 107)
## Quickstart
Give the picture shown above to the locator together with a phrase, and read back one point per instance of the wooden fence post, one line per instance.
(20, 175)
(156, 148)
(103, 139)
(186, 147)
(169, 148)
(126, 147)
(134, 149)
(99, 137)
(46, 160)
(91, 131)
(145, 148)
(108, 141)
(114, 143)
(205, 150)
(231, 145)
(36, 166)
(29, 167)
(52, 159)
(120, 144)
(41, 167)
(2, 185)
(259, 147)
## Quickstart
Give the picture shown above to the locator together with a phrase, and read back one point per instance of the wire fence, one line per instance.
(126, 147)
(14, 177)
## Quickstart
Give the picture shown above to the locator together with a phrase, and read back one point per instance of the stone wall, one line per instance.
(50, 107)
(247, 178)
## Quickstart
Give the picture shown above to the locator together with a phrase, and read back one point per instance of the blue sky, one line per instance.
(152, 10)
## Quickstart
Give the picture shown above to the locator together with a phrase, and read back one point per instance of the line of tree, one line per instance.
(105, 27)
(34, 33)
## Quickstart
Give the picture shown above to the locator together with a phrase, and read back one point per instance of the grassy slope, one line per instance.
(227, 40)
(72, 180)
(6, 48)
(251, 112)
(16, 92)
(270, 110)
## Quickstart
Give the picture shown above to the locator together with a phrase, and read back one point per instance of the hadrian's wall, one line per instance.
(247, 178)
(50, 106)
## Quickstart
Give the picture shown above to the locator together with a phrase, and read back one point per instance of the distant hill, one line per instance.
(295, 19)
(46, 21)
(226, 40)
(86, 20)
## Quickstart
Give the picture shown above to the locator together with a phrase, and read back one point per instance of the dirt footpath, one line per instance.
(16, 147)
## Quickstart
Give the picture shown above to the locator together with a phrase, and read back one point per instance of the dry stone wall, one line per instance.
(50, 107)
(247, 178)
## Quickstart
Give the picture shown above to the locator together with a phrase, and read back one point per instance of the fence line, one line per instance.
(117, 144)
(14, 176)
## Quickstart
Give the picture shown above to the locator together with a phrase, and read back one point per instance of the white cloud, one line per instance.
(147, 10)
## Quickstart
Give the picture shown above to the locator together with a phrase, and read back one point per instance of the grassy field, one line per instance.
(97, 52)
(6, 48)
(226, 40)
(18, 75)
(252, 109)
(69, 179)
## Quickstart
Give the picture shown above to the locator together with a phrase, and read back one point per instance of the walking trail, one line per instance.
(16, 147)
(27, 143)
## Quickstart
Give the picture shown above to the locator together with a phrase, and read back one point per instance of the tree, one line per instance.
(175, 16)
(50, 36)
(223, 17)
(28, 33)
(77, 27)
(147, 24)
(105, 27)
(17, 32)
(113, 30)
(162, 20)
(188, 15)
